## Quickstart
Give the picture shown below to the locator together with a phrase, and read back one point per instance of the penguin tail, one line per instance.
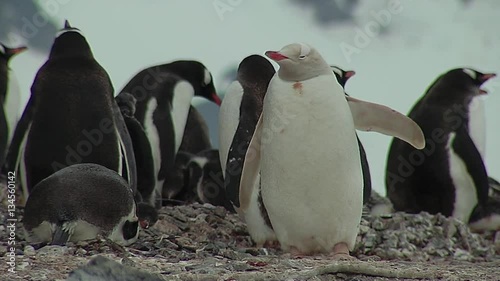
(60, 236)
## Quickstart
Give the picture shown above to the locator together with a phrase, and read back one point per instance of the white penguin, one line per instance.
(305, 149)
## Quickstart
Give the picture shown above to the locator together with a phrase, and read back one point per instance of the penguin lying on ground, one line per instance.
(487, 218)
(9, 98)
(448, 176)
(71, 118)
(78, 203)
(164, 93)
(306, 126)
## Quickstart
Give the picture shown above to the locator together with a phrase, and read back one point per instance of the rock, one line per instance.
(103, 269)
(52, 250)
(29, 251)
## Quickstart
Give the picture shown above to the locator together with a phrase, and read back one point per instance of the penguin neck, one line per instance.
(4, 78)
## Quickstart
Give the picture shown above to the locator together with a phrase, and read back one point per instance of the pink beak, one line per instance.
(349, 74)
(216, 99)
(275, 56)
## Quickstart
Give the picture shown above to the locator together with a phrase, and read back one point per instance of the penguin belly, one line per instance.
(12, 104)
(477, 124)
(465, 189)
(310, 166)
(229, 116)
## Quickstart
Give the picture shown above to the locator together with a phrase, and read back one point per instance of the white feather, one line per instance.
(181, 101)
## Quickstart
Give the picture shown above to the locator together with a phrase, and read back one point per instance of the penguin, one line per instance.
(449, 175)
(71, 117)
(210, 186)
(238, 116)
(342, 77)
(144, 159)
(78, 203)
(196, 136)
(164, 93)
(487, 218)
(181, 185)
(9, 97)
(314, 207)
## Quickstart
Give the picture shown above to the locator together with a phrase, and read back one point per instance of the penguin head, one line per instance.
(299, 62)
(7, 53)
(127, 103)
(127, 230)
(198, 76)
(147, 214)
(342, 75)
(255, 70)
(477, 78)
(70, 42)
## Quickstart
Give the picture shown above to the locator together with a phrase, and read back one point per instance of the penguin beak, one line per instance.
(275, 56)
(349, 74)
(144, 224)
(16, 51)
(215, 98)
(482, 79)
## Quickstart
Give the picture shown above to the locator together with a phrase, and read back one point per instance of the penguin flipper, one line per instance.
(369, 116)
(251, 167)
(464, 147)
(367, 183)
(60, 236)
(143, 158)
(126, 148)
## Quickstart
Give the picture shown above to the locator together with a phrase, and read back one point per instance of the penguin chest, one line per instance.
(465, 189)
(12, 104)
(477, 124)
(310, 164)
(181, 101)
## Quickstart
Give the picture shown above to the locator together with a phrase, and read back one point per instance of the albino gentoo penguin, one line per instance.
(77, 203)
(71, 117)
(164, 93)
(342, 77)
(238, 116)
(9, 97)
(448, 176)
(305, 149)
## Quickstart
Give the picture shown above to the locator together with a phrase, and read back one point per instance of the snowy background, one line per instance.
(397, 48)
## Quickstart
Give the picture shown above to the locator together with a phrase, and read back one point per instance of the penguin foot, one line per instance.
(272, 244)
(341, 252)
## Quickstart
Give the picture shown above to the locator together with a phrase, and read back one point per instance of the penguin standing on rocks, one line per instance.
(164, 94)
(238, 116)
(78, 203)
(448, 176)
(144, 161)
(71, 117)
(9, 97)
(306, 126)
(342, 77)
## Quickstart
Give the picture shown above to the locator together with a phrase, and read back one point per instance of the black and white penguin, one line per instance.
(342, 77)
(144, 161)
(196, 135)
(164, 93)
(238, 116)
(487, 218)
(210, 187)
(78, 203)
(9, 97)
(71, 117)
(449, 175)
(181, 186)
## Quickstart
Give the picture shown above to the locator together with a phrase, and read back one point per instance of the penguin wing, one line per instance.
(126, 148)
(369, 116)
(143, 158)
(251, 167)
(60, 236)
(464, 147)
(367, 183)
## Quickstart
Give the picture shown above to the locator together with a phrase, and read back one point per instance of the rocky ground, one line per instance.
(202, 242)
